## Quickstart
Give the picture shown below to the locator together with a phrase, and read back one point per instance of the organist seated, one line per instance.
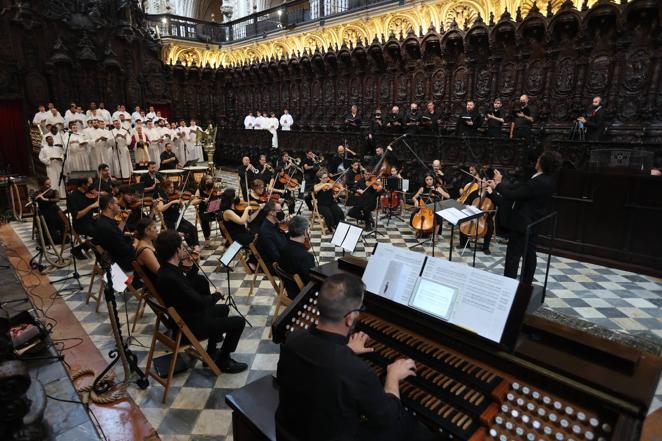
(295, 257)
(326, 392)
(195, 304)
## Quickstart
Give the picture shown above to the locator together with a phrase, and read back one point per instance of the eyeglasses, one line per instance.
(362, 308)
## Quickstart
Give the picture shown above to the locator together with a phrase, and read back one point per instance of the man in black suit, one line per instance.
(295, 258)
(109, 236)
(271, 239)
(594, 120)
(531, 201)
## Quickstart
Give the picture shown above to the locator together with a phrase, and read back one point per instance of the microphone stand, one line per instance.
(64, 161)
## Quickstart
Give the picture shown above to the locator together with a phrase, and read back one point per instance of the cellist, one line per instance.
(429, 193)
(484, 191)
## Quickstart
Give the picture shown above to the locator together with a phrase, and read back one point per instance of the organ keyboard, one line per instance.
(554, 384)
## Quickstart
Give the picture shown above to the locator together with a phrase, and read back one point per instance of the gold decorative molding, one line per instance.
(418, 16)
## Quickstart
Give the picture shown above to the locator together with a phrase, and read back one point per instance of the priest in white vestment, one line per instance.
(182, 135)
(121, 166)
(105, 114)
(52, 156)
(78, 150)
(194, 148)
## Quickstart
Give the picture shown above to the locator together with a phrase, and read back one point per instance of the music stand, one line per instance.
(392, 185)
(347, 236)
(224, 261)
(455, 220)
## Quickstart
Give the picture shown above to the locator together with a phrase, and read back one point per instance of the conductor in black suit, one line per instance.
(531, 201)
(594, 120)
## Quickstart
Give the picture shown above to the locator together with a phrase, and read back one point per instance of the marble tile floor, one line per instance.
(624, 302)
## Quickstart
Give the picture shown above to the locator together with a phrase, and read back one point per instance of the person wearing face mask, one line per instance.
(523, 118)
(593, 121)
(271, 240)
(413, 118)
(327, 392)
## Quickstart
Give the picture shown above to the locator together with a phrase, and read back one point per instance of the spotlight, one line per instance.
(164, 20)
(280, 12)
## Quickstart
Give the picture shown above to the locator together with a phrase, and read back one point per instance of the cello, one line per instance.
(423, 220)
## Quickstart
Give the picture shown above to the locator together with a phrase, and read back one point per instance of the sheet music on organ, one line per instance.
(470, 298)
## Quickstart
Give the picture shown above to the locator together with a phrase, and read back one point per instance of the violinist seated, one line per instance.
(294, 257)
(131, 204)
(247, 174)
(169, 203)
(352, 178)
(47, 200)
(81, 205)
(281, 184)
(367, 199)
(310, 165)
(196, 305)
(428, 194)
(236, 217)
(103, 183)
(110, 237)
(201, 200)
(327, 205)
(271, 240)
(260, 196)
(478, 189)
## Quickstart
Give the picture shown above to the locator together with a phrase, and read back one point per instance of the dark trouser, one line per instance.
(332, 214)
(514, 253)
(486, 239)
(186, 227)
(308, 199)
(85, 228)
(359, 213)
(205, 223)
(214, 325)
(55, 225)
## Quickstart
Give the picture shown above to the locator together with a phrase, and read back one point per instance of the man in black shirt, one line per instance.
(271, 239)
(394, 119)
(109, 236)
(341, 161)
(413, 118)
(594, 120)
(532, 201)
(523, 120)
(468, 121)
(295, 258)
(152, 179)
(495, 119)
(326, 392)
(265, 170)
(168, 158)
(310, 169)
(247, 175)
(353, 119)
(366, 203)
(198, 309)
(430, 118)
(82, 208)
(103, 183)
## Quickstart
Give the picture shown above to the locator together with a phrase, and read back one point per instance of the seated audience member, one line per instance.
(109, 235)
(271, 239)
(295, 257)
(327, 392)
(197, 307)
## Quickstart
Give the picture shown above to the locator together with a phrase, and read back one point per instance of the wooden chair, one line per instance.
(141, 295)
(228, 242)
(315, 216)
(97, 271)
(181, 340)
(281, 294)
(261, 267)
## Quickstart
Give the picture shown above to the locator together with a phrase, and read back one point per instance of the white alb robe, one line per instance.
(272, 126)
(102, 149)
(286, 121)
(180, 145)
(40, 118)
(249, 122)
(193, 147)
(121, 165)
(260, 123)
(135, 116)
(154, 145)
(78, 154)
(52, 157)
(105, 115)
(54, 119)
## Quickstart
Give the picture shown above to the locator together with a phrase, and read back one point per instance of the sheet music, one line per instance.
(339, 234)
(118, 278)
(392, 272)
(352, 238)
(471, 210)
(229, 254)
(452, 215)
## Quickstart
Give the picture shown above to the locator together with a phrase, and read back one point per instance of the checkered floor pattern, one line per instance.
(195, 409)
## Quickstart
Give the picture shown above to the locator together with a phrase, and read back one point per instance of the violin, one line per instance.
(92, 194)
(122, 216)
(336, 187)
(374, 182)
(242, 205)
(183, 195)
(288, 181)
(423, 221)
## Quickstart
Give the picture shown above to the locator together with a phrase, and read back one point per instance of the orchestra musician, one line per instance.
(480, 190)
(103, 183)
(81, 206)
(366, 202)
(152, 178)
(437, 172)
(235, 221)
(341, 160)
(294, 257)
(260, 196)
(169, 204)
(271, 239)
(284, 180)
(352, 178)
(532, 201)
(311, 165)
(47, 199)
(146, 233)
(326, 201)
(264, 170)
(203, 195)
(429, 193)
(110, 237)
(196, 305)
(593, 120)
(130, 203)
(247, 174)
(327, 392)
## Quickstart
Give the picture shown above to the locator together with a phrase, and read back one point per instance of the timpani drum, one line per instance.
(138, 174)
(174, 176)
(198, 172)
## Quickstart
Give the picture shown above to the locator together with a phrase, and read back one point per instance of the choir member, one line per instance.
(121, 164)
(353, 119)
(154, 138)
(140, 145)
(412, 118)
(194, 148)
(105, 114)
(249, 121)
(272, 127)
(430, 118)
(495, 119)
(469, 121)
(135, 116)
(54, 118)
(593, 120)
(260, 121)
(394, 119)
(78, 152)
(523, 118)
(52, 157)
(286, 121)
(40, 118)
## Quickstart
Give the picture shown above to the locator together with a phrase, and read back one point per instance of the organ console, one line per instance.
(549, 382)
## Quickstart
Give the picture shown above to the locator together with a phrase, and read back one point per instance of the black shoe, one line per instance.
(229, 366)
(368, 226)
(487, 251)
(78, 253)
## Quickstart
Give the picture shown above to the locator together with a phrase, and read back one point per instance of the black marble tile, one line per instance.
(178, 421)
(268, 347)
(216, 399)
(154, 397)
(203, 378)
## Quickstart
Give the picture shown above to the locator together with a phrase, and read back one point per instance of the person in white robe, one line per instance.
(151, 114)
(40, 119)
(78, 151)
(135, 116)
(249, 121)
(70, 110)
(121, 166)
(286, 121)
(105, 114)
(272, 126)
(182, 135)
(54, 118)
(154, 143)
(260, 122)
(194, 148)
(103, 149)
(52, 156)
(121, 110)
(141, 154)
(76, 117)
(89, 133)
(56, 136)
(126, 123)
